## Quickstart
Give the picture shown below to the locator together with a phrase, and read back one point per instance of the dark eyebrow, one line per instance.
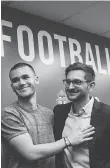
(17, 78)
(25, 75)
(14, 79)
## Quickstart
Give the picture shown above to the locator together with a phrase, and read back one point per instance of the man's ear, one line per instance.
(91, 86)
(36, 80)
(12, 87)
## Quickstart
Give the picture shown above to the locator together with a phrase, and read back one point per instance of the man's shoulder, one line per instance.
(103, 108)
(106, 107)
(60, 107)
(10, 109)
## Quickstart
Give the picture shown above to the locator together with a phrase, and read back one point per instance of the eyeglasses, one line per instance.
(75, 82)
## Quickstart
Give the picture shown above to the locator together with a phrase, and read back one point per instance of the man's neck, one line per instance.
(28, 103)
(80, 104)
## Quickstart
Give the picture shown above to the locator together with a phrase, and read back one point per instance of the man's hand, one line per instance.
(81, 136)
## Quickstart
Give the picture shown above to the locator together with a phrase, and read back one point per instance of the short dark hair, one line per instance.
(90, 74)
(19, 65)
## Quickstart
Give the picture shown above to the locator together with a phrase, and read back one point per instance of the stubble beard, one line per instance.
(80, 97)
(25, 97)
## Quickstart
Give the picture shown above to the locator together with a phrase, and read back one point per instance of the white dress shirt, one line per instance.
(78, 156)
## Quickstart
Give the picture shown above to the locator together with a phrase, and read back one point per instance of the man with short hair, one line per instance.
(27, 127)
(82, 110)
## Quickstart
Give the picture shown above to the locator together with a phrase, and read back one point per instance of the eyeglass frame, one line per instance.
(75, 84)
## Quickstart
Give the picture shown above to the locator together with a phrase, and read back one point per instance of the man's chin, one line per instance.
(73, 98)
(25, 95)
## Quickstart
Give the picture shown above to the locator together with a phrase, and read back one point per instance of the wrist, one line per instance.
(67, 142)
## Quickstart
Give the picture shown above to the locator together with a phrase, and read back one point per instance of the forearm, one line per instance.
(41, 151)
(25, 147)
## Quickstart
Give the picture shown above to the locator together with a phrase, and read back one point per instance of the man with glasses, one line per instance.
(27, 127)
(82, 111)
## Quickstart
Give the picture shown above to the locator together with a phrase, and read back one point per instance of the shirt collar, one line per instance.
(88, 107)
(86, 110)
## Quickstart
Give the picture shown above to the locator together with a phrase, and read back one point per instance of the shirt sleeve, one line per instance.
(12, 124)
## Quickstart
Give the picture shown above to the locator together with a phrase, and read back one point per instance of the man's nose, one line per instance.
(71, 86)
(21, 81)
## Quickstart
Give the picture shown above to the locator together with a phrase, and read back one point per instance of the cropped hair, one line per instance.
(19, 65)
(90, 74)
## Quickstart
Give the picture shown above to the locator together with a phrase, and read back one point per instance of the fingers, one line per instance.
(88, 134)
(88, 128)
(87, 139)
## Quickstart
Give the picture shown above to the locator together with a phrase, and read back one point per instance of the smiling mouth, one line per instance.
(23, 88)
(72, 93)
